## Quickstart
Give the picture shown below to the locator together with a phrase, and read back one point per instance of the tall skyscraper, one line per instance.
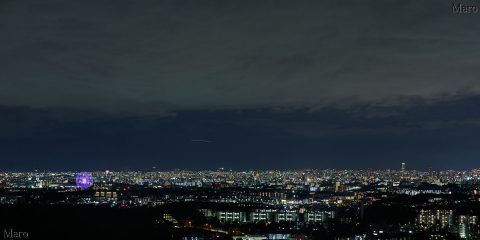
(402, 168)
(338, 187)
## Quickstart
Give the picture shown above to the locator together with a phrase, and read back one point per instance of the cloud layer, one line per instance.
(143, 57)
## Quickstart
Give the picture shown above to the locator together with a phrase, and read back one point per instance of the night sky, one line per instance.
(251, 84)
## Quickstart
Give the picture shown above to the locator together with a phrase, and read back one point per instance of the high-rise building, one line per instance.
(402, 168)
(319, 216)
(230, 216)
(463, 231)
(338, 187)
(435, 219)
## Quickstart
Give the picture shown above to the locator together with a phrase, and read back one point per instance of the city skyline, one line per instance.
(245, 205)
(402, 168)
(240, 120)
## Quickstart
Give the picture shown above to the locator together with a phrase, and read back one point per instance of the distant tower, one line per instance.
(338, 187)
(402, 168)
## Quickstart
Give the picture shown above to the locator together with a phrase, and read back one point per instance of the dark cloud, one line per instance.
(272, 84)
(144, 57)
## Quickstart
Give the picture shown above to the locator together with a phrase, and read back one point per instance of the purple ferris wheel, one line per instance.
(84, 180)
